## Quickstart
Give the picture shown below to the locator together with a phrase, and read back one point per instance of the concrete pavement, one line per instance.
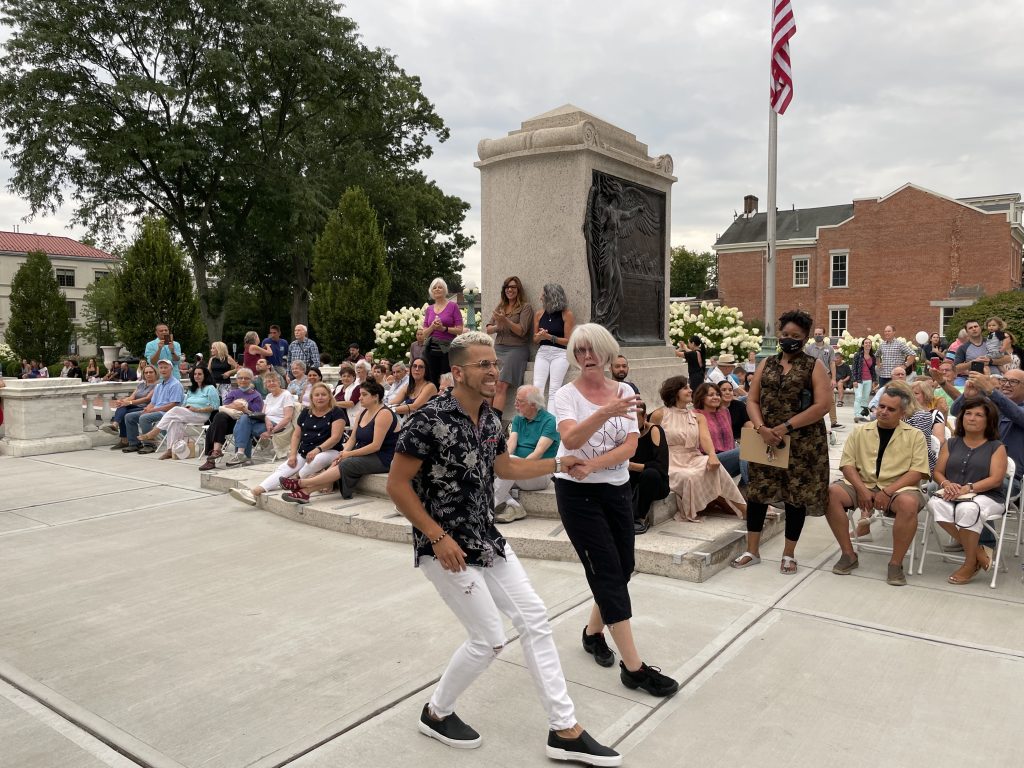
(146, 621)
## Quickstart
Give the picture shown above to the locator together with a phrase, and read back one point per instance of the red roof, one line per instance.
(16, 242)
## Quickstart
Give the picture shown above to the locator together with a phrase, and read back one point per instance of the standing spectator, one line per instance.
(864, 376)
(135, 402)
(275, 350)
(166, 394)
(304, 348)
(819, 350)
(442, 322)
(597, 424)
(552, 327)
(222, 366)
(891, 353)
(998, 341)
(201, 400)
(976, 350)
(620, 373)
(511, 323)
(163, 347)
(789, 397)
(751, 364)
(844, 376)
(935, 347)
(693, 352)
(648, 470)
(533, 435)
(251, 351)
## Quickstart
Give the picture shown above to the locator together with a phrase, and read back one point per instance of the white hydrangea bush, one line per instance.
(395, 332)
(721, 328)
(7, 354)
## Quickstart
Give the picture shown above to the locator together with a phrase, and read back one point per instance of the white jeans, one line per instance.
(320, 463)
(174, 422)
(478, 596)
(503, 487)
(550, 362)
(966, 515)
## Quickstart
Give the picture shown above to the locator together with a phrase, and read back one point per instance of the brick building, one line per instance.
(909, 259)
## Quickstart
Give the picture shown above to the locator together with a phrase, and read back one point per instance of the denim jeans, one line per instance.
(245, 430)
(733, 465)
(119, 415)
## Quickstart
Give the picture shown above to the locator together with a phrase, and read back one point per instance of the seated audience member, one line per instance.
(91, 372)
(737, 409)
(125, 405)
(534, 435)
(274, 423)
(843, 374)
(201, 400)
(313, 376)
(380, 374)
(970, 473)
(751, 364)
(707, 401)
(1007, 395)
(713, 374)
(65, 370)
(297, 384)
(315, 439)
(397, 380)
(166, 395)
(899, 373)
(364, 371)
(259, 373)
(945, 381)
(620, 373)
(346, 393)
(113, 373)
(447, 382)
(244, 399)
(368, 451)
(933, 419)
(727, 367)
(883, 464)
(417, 392)
(695, 474)
(648, 470)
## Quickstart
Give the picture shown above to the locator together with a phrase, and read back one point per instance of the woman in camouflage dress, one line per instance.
(788, 399)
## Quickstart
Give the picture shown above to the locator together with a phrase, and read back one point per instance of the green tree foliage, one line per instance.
(350, 281)
(1008, 305)
(691, 272)
(98, 312)
(239, 123)
(40, 327)
(153, 285)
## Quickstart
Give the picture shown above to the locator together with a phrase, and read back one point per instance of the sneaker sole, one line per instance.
(237, 494)
(556, 753)
(426, 730)
(661, 695)
(598, 660)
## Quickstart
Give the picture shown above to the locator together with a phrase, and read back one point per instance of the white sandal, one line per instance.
(754, 560)
(782, 565)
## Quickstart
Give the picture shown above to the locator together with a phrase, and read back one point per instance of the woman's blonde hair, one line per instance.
(926, 388)
(325, 388)
(220, 350)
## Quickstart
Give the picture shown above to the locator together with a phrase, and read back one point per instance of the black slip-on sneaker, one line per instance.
(596, 646)
(450, 730)
(583, 749)
(649, 679)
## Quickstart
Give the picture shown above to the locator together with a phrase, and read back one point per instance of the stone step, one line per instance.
(687, 551)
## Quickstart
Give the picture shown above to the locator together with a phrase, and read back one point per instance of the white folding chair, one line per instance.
(877, 515)
(1000, 534)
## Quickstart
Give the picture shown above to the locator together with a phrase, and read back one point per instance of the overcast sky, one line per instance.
(927, 91)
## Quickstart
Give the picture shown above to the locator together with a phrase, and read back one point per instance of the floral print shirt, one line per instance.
(456, 480)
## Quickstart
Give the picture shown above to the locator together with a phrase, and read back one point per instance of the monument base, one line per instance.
(44, 445)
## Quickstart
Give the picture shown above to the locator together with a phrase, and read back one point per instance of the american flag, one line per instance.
(783, 28)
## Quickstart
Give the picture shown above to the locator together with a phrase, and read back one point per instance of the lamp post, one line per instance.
(470, 293)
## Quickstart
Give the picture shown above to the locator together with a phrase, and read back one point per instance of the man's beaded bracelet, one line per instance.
(438, 539)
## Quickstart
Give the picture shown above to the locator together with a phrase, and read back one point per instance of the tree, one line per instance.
(100, 308)
(350, 279)
(153, 285)
(691, 273)
(239, 123)
(40, 327)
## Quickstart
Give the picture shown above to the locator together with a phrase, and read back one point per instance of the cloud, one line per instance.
(885, 93)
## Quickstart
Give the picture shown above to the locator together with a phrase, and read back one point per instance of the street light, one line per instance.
(470, 292)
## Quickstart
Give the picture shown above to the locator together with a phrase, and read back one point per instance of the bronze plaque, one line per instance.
(625, 233)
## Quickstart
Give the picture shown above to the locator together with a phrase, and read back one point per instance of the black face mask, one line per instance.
(789, 346)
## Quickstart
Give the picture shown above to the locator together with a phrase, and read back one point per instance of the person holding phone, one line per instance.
(974, 354)
(164, 347)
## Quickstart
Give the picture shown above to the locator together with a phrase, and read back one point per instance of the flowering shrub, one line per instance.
(395, 332)
(721, 328)
(7, 354)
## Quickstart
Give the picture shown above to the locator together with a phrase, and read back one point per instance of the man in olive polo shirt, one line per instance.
(883, 464)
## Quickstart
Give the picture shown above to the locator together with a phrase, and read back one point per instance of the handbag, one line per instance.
(756, 451)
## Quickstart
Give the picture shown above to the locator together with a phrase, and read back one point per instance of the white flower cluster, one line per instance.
(7, 354)
(720, 328)
(396, 331)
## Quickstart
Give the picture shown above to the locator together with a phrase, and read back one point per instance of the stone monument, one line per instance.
(570, 198)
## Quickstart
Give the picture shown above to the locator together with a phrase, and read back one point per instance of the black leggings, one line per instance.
(795, 516)
(648, 486)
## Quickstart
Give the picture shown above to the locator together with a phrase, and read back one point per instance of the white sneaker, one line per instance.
(237, 459)
(244, 495)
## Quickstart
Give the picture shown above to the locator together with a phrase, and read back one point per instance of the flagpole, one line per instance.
(769, 343)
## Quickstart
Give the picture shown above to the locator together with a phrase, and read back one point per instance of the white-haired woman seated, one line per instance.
(533, 435)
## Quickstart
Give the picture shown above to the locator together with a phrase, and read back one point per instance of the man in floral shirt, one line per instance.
(442, 480)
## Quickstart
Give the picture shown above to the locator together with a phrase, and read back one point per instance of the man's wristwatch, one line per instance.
(558, 464)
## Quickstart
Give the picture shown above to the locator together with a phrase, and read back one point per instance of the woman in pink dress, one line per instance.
(695, 474)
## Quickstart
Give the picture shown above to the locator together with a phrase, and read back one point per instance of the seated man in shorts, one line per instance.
(883, 464)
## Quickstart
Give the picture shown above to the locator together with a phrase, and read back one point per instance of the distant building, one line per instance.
(76, 265)
(909, 259)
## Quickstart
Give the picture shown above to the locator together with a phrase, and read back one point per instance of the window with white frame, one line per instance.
(840, 269)
(947, 315)
(801, 271)
(66, 278)
(836, 321)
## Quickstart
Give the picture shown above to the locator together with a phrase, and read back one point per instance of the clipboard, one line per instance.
(754, 450)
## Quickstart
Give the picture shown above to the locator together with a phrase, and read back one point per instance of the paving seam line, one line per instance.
(41, 524)
(109, 474)
(118, 740)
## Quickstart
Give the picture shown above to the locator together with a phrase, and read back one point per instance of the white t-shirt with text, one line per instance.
(571, 405)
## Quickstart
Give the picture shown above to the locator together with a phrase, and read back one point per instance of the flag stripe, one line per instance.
(783, 28)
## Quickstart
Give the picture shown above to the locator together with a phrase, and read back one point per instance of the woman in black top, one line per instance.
(695, 354)
(552, 327)
(648, 470)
